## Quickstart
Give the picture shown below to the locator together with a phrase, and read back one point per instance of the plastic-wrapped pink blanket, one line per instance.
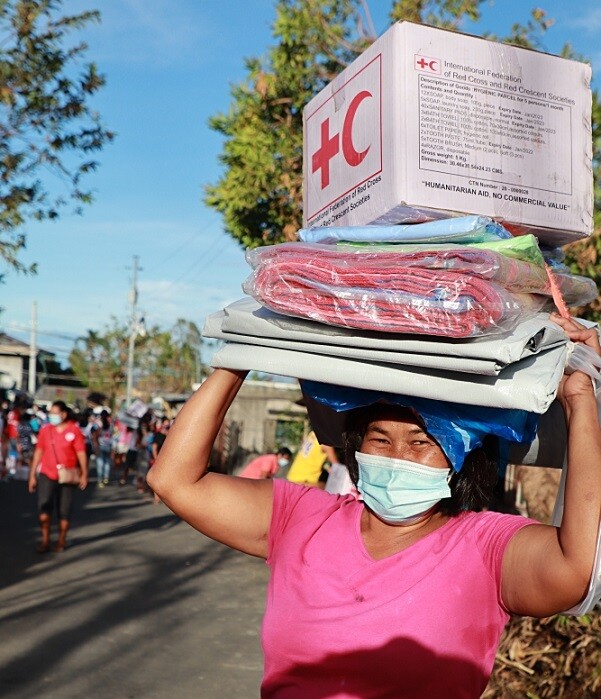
(385, 291)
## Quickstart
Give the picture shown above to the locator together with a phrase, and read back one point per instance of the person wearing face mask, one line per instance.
(417, 580)
(60, 444)
(267, 466)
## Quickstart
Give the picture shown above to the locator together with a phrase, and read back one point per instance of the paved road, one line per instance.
(139, 605)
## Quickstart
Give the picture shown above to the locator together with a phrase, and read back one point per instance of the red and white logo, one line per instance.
(426, 64)
(330, 145)
(343, 139)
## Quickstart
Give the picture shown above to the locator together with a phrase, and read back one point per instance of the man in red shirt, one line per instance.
(268, 465)
(60, 444)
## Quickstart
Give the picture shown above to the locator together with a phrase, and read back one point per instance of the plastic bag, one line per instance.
(374, 291)
(514, 274)
(525, 248)
(460, 229)
(584, 358)
(457, 428)
(576, 290)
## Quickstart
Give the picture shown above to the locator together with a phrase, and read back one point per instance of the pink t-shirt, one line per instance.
(262, 464)
(421, 624)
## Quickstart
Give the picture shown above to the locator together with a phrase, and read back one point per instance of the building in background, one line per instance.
(52, 381)
(14, 362)
(264, 416)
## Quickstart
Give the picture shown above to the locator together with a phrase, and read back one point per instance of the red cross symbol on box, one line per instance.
(320, 160)
(330, 145)
(427, 63)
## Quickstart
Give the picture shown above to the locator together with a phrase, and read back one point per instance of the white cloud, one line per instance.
(157, 32)
(590, 20)
(162, 302)
(596, 62)
(168, 28)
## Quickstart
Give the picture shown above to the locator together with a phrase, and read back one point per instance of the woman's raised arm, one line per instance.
(547, 570)
(234, 511)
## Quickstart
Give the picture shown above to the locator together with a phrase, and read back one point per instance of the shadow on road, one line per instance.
(127, 594)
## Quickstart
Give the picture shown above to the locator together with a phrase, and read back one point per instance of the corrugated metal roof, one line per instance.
(6, 341)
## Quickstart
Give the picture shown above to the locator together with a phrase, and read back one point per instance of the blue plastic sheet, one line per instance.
(457, 428)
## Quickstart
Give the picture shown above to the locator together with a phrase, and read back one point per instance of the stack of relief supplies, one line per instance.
(455, 309)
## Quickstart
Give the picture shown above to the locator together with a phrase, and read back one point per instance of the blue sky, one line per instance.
(169, 66)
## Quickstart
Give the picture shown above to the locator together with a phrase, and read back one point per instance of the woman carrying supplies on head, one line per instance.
(415, 582)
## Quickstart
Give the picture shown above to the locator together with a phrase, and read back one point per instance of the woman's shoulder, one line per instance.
(288, 488)
(306, 499)
(489, 528)
(489, 518)
(300, 511)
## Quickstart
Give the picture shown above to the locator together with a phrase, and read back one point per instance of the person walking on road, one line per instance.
(156, 445)
(25, 440)
(268, 465)
(61, 444)
(134, 436)
(104, 446)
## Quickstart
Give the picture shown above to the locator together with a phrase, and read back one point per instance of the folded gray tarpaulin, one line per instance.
(529, 384)
(247, 322)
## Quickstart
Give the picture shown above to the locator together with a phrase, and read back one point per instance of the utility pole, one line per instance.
(33, 350)
(133, 331)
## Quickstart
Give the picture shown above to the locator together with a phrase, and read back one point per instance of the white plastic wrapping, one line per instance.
(380, 292)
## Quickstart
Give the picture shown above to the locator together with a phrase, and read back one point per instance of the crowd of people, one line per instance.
(52, 447)
(37, 441)
(123, 453)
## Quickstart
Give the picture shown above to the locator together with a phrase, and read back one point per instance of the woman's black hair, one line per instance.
(472, 488)
(64, 408)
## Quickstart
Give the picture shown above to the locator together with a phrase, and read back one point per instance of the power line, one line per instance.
(192, 267)
(46, 333)
(183, 245)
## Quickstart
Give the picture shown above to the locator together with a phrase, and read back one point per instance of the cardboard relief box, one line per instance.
(427, 123)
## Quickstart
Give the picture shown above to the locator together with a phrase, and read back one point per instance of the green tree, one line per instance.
(47, 126)
(164, 360)
(259, 193)
(171, 361)
(584, 257)
(99, 360)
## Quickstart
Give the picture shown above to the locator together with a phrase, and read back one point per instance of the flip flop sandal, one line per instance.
(42, 548)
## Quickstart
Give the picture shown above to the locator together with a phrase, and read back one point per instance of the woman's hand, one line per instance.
(577, 383)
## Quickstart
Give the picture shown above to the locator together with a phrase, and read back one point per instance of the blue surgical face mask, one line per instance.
(400, 491)
(54, 419)
(282, 463)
